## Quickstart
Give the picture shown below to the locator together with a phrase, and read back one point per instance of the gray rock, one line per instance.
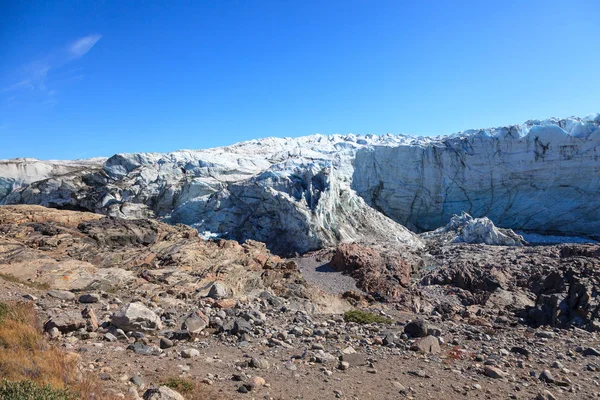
(190, 353)
(218, 291)
(259, 363)
(166, 343)
(136, 317)
(418, 328)
(110, 337)
(494, 372)
(62, 294)
(547, 376)
(89, 298)
(162, 393)
(195, 322)
(137, 381)
(590, 351)
(428, 345)
(241, 326)
(65, 321)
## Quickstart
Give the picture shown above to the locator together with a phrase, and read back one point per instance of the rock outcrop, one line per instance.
(381, 273)
(76, 251)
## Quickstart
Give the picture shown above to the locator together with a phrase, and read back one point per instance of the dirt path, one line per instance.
(321, 274)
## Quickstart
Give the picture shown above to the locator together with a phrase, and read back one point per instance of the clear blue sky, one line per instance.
(93, 78)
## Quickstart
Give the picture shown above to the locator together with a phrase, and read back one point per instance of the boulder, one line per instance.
(218, 291)
(428, 345)
(136, 317)
(195, 322)
(162, 393)
(65, 321)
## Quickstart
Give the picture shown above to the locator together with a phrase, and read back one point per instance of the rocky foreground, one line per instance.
(143, 303)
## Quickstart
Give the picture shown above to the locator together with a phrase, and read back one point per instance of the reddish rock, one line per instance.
(382, 274)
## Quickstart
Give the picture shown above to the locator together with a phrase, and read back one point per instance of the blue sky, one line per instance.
(93, 78)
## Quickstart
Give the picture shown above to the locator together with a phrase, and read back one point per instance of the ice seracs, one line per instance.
(466, 229)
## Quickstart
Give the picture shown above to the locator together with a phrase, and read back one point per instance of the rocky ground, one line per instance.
(143, 303)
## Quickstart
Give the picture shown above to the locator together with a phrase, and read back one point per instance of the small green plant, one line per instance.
(365, 317)
(28, 390)
(181, 385)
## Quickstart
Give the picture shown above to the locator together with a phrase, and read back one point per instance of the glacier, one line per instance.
(301, 194)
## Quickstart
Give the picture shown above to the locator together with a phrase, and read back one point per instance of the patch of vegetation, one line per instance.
(28, 390)
(181, 385)
(33, 285)
(365, 317)
(31, 368)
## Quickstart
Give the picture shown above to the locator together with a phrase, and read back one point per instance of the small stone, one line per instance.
(62, 294)
(259, 363)
(89, 298)
(494, 372)
(110, 337)
(30, 297)
(218, 291)
(520, 350)
(190, 353)
(165, 343)
(428, 345)
(545, 395)
(590, 351)
(256, 382)
(547, 376)
(137, 381)
(344, 365)
(162, 393)
(416, 328)
(399, 387)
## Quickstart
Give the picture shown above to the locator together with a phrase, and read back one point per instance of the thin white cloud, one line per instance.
(81, 46)
(35, 75)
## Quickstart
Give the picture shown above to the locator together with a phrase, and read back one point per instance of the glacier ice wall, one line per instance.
(542, 176)
(304, 193)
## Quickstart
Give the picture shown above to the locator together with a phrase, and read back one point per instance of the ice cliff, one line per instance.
(542, 176)
(304, 193)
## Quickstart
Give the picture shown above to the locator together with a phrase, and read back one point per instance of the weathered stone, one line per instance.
(218, 291)
(136, 317)
(89, 298)
(259, 363)
(416, 329)
(62, 294)
(190, 353)
(428, 345)
(162, 393)
(65, 321)
(494, 372)
(195, 322)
